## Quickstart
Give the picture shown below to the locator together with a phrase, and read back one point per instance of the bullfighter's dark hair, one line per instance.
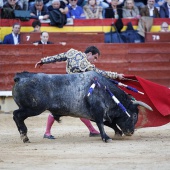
(35, 23)
(92, 49)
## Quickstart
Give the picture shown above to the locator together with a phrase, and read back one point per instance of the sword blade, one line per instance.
(130, 79)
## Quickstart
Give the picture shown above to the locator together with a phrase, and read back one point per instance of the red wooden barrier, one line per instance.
(56, 38)
(150, 61)
(86, 22)
(157, 37)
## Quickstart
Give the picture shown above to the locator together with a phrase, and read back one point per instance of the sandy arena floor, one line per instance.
(147, 149)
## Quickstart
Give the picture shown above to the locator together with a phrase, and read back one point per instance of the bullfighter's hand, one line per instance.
(38, 64)
(120, 76)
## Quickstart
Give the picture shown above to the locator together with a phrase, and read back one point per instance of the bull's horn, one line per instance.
(142, 104)
(119, 127)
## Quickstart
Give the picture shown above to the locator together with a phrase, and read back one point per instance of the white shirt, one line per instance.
(43, 42)
(38, 13)
(151, 11)
(15, 38)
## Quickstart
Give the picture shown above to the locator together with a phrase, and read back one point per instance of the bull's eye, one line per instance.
(134, 116)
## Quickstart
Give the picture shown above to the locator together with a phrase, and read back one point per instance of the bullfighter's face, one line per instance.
(92, 58)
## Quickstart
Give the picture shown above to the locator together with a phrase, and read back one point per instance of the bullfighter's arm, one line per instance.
(55, 58)
(108, 74)
(87, 66)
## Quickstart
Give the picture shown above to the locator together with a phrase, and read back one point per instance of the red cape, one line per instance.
(156, 96)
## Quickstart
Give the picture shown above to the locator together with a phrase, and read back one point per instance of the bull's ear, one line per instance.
(142, 104)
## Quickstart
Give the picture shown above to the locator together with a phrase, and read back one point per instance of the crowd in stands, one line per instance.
(90, 9)
(54, 10)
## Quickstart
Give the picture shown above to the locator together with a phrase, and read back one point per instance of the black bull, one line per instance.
(66, 95)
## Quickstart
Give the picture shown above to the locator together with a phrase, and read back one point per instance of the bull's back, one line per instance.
(51, 90)
(62, 93)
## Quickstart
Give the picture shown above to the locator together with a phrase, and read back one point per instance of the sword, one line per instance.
(129, 79)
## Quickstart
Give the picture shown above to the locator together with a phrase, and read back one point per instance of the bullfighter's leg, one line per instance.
(19, 116)
(50, 122)
(93, 131)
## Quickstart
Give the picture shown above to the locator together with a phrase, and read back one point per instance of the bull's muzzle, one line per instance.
(129, 133)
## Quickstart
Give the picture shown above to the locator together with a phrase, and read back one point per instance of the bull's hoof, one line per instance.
(118, 136)
(128, 134)
(24, 138)
(109, 140)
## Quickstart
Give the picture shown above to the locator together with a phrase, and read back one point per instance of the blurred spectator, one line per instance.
(1, 6)
(103, 3)
(164, 27)
(130, 10)
(60, 5)
(150, 10)
(1, 3)
(12, 4)
(39, 10)
(75, 11)
(144, 25)
(14, 37)
(165, 10)
(44, 37)
(58, 11)
(45, 2)
(81, 2)
(92, 10)
(66, 2)
(23, 4)
(113, 11)
(140, 4)
(36, 24)
(120, 2)
(159, 3)
(30, 3)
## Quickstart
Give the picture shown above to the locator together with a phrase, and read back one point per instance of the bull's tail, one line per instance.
(16, 79)
(57, 118)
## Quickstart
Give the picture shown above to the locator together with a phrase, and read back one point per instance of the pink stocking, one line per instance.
(50, 122)
(89, 125)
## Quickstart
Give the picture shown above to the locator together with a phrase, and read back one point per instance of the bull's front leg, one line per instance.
(118, 132)
(104, 136)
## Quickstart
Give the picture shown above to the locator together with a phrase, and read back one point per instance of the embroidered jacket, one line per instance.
(77, 62)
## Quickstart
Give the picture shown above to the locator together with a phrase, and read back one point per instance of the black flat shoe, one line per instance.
(49, 137)
(94, 134)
